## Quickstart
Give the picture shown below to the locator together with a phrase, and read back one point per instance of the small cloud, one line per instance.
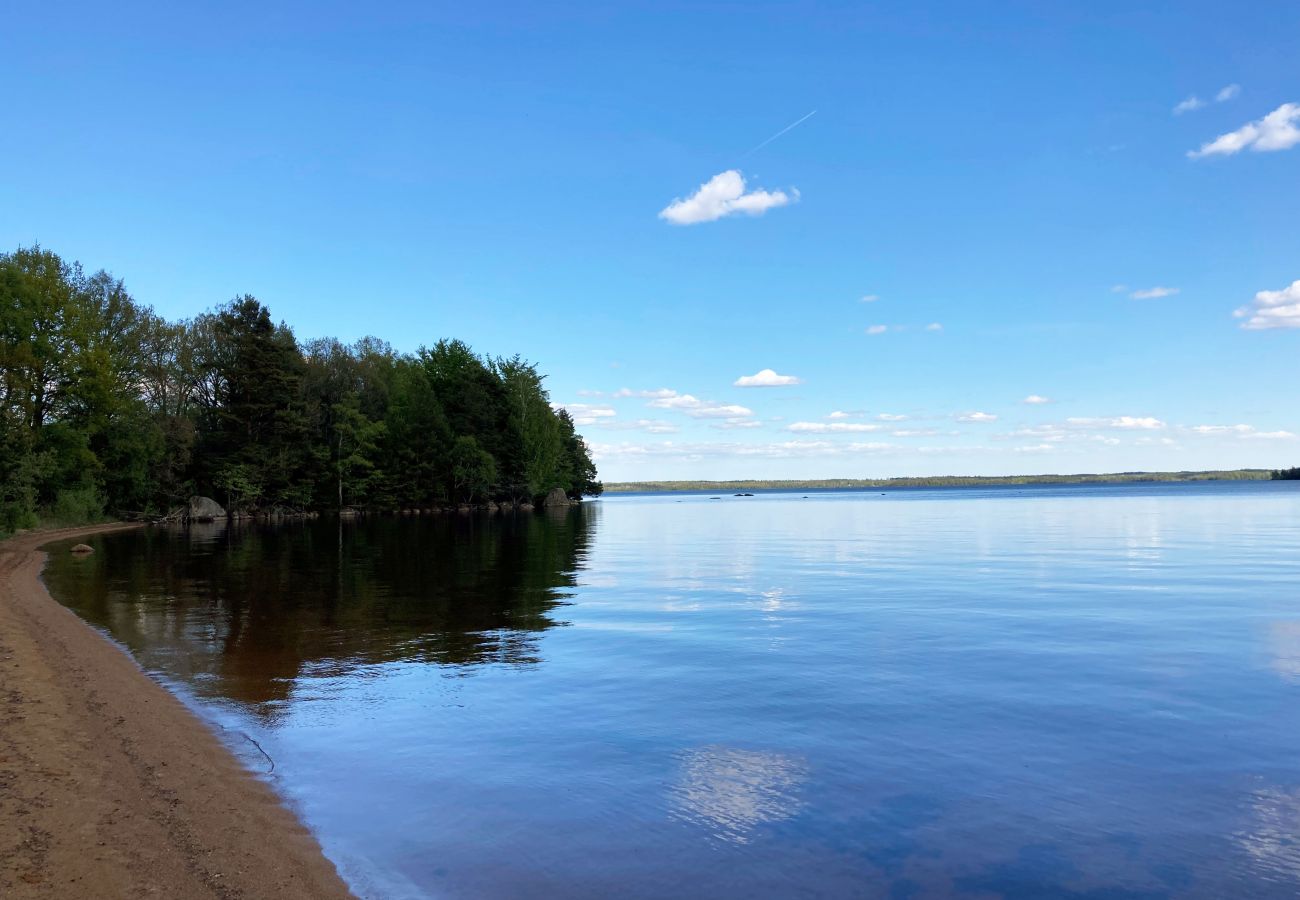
(1036, 400)
(660, 393)
(977, 417)
(1276, 131)
(877, 329)
(916, 432)
(1122, 422)
(869, 298)
(831, 427)
(700, 409)
(721, 196)
(720, 411)
(1191, 104)
(1242, 431)
(1272, 309)
(1227, 93)
(650, 426)
(1153, 293)
(891, 417)
(766, 378)
(586, 414)
(1118, 288)
(934, 326)
(738, 422)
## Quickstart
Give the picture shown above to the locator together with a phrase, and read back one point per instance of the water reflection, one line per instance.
(1273, 840)
(731, 792)
(241, 611)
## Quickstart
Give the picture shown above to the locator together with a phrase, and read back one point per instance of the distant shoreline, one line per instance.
(625, 487)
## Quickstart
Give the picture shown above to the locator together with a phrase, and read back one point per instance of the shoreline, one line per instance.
(109, 785)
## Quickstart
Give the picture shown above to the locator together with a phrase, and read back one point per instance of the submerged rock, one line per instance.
(83, 549)
(557, 497)
(204, 509)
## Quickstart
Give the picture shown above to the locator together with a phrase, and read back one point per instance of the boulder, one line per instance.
(83, 549)
(557, 497)
(204, 509)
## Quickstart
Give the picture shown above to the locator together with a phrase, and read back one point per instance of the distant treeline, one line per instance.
(106, 406)
(941, 481)
(1287, 474)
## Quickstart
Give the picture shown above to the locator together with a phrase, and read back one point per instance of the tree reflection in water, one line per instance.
(240, 611)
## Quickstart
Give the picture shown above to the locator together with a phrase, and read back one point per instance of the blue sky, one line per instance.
(504, 173)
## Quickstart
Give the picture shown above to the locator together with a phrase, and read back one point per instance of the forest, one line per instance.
(106, 408)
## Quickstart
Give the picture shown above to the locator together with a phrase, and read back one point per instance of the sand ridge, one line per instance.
(109, 786)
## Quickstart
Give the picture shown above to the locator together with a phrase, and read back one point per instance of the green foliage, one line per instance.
(104, 405)
(76, 506)
(473, 470)
(1287, 474)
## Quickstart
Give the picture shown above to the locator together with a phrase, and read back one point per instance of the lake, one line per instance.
(1016, 692)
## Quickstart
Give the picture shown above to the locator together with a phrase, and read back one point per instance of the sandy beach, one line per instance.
(109, 786)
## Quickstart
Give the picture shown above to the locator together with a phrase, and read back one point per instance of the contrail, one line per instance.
(789, 127)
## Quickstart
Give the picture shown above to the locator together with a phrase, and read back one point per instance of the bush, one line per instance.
(14, 516)
(77, 506)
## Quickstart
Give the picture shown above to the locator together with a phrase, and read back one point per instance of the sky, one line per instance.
(743, 240)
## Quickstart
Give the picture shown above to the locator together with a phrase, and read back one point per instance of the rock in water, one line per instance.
(556, 497)
(204, 509)
(83, 549)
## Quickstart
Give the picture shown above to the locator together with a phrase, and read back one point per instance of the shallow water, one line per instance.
(1070, 692)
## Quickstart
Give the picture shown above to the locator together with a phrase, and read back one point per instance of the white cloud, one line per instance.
(877, 329)
(890, 417)
(1222, 429)
(934, 326)
(1276, 131)
(661, 392)
(723, 195)
(1153, 293)
(841, 414)
(590, 393)
(1241, 431)
(729, 424)
(1189, 105)
(1272, 309)
(1118, 288)
(977, 417)
(1126, 423)
(1036, 400)
(831, 427)
(650, 426)
(585, 414)
(1227, 93)
(675, 400)
(870, 298)
(794, 449)
(916, 432)
(766, 378)
(693, 406)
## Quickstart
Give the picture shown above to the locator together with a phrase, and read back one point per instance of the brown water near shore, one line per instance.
(109, 786)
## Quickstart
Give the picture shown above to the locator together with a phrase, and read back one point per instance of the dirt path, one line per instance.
(109, 786)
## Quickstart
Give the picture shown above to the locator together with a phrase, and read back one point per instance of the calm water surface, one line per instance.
(1069, 692)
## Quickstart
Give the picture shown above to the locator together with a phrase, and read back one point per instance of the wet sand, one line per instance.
(109, 786)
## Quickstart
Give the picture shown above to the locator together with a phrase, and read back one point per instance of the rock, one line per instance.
(204, 509)
(557, 497)
(83, 549)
